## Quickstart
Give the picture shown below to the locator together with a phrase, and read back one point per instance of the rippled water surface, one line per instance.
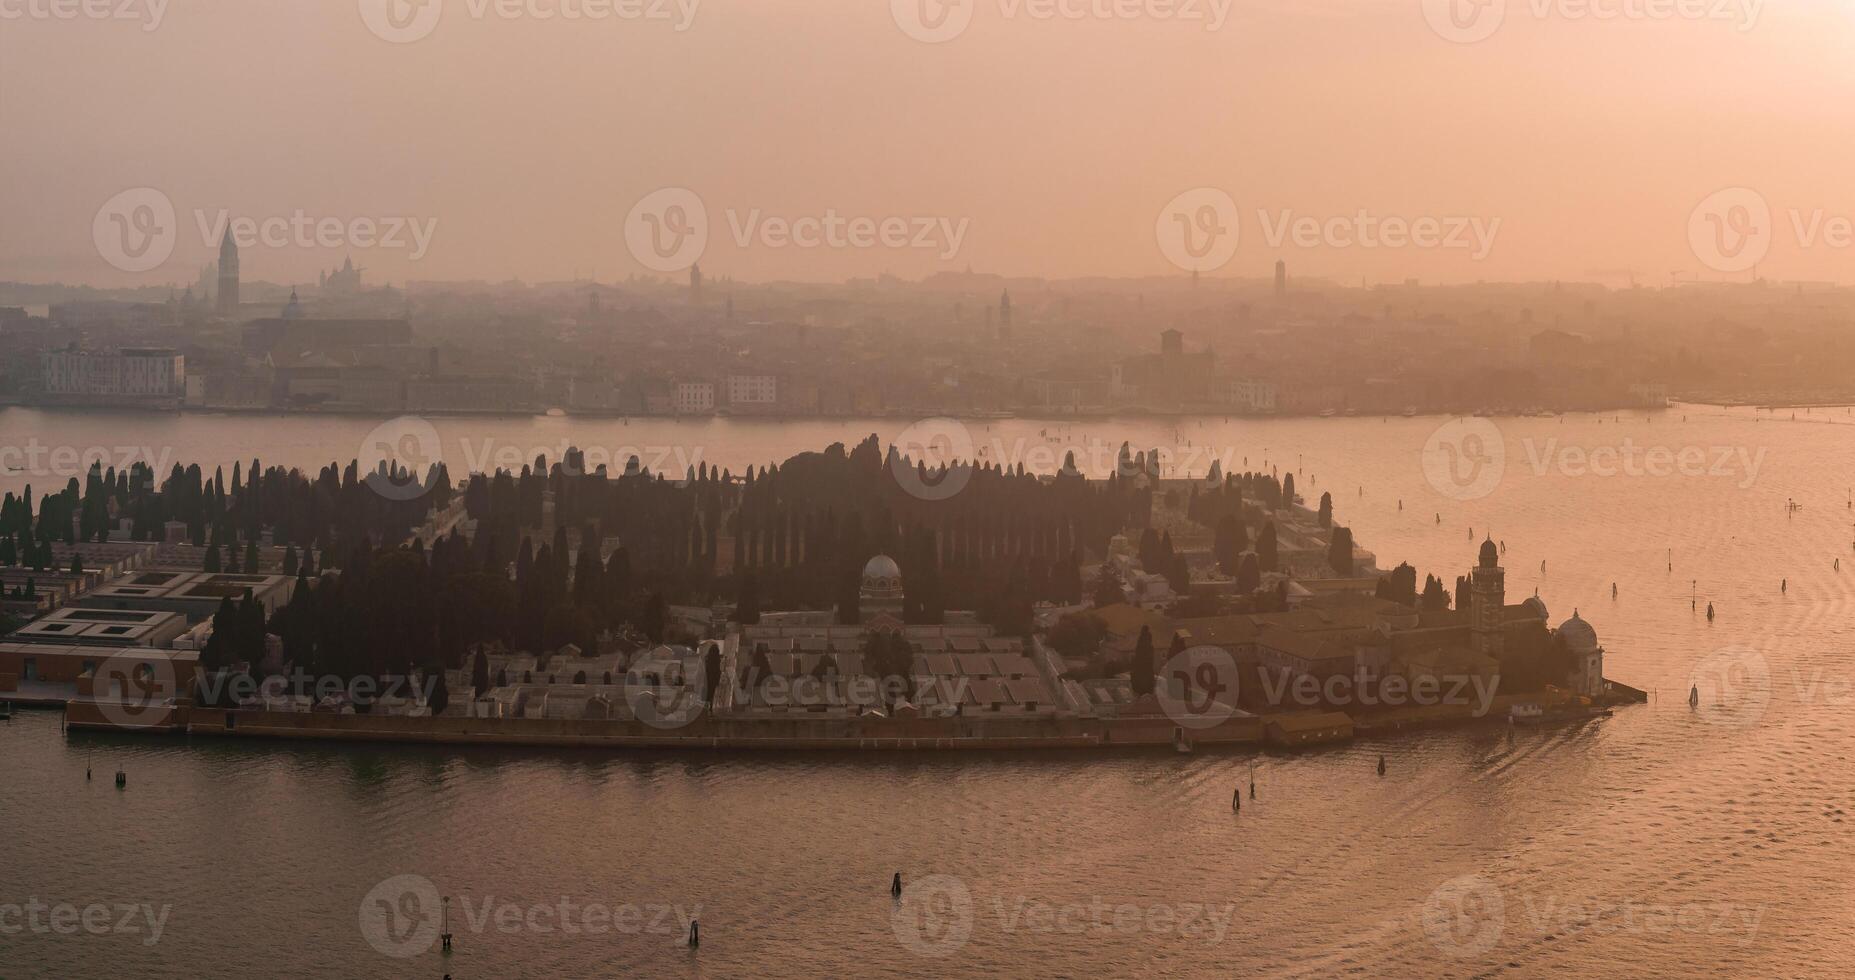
(1662, 841)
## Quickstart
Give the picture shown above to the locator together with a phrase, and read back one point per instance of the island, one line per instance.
(852, 598)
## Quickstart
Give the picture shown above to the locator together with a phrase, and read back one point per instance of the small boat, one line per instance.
(1526, 713)
(1327, 413)
(1694, 696)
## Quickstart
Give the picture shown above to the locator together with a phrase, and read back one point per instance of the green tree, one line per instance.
(440, 697)
(747, 606)
(1435, 596)
(480, 673)
(1340, 552)
(1141, 671)
(1077, 636)
(653, 620)
(1267, 553)
(1249, 575)
(1107, 589)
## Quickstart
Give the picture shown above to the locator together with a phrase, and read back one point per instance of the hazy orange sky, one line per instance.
(1055, 142)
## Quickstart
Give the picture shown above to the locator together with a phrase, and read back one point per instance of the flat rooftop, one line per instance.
(75, 624)
(187, 586)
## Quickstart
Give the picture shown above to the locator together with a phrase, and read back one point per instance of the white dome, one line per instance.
(882, 579)
(1579, 637)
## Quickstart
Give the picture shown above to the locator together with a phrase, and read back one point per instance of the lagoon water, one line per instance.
(1664, 841)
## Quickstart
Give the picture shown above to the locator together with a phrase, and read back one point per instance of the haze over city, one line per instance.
(1589, 134)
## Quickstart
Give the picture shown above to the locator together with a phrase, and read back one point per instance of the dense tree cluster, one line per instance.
(621, 549)
(326, 514)
(1400, 585)
(798, 534)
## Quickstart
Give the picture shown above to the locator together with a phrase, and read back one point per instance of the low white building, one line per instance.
(130, 376)
(694, 397)
(753, 390)
(1248, 395)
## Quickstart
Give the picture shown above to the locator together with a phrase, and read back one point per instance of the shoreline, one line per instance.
(1285, 730)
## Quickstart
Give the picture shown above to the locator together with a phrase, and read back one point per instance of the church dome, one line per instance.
(1579, 637)
(882, 578)
(1490, 555)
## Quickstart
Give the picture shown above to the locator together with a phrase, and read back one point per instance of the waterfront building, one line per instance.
(960, 670)
(571, 687)
(1581, 642)
(470, 393)
(1249, 396)
(1067, 391)
(752, 392)
(53, 668)
(695, 397)
(1170, 378)
(1649, 395)
(150, 377)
